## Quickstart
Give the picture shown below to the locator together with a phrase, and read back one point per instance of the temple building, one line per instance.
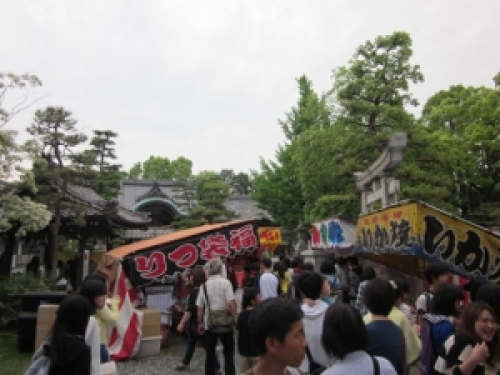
(165, 200)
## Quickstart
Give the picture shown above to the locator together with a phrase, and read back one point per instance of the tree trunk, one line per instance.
(6, 257)
(54, 234)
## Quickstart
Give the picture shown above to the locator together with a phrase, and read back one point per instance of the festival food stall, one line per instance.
(154, 261)
(406, 235)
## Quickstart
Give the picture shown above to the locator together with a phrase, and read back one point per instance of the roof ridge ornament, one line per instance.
(154, 192)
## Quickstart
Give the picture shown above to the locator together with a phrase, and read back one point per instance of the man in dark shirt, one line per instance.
(385, 339)
(247, 352)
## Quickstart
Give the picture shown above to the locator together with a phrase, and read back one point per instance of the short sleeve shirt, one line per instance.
(220, 292)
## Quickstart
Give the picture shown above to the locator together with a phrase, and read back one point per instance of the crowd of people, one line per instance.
(341, 319)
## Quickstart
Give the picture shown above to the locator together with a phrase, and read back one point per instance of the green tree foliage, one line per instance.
(156, 168)
(240, 183)
(55, 139)
(278, 190)
(278, 185)
(373, 88)
(109, 174)
(211, 194)
(136, 171)
(471, 117)
(18, 215)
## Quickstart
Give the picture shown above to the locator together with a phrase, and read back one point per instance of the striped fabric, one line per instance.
(125, 338)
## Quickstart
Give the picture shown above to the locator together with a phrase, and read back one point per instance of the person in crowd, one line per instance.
(401, 297)
(353, 278)
(307, 266)
(296, 266)
(412, 341)
(445, 308)
(278, 336)
(189, 322)
(267, 282)
(284, 278)
(344, 338)
(385, 339)
(105, 312)
(341, 273)
(247, 353)
(367, 275)
(327, 269)
(326, 292)
(69, 354)
(435, 275)
(490, 293)
(475, 344)
(219, 292)
(310, 285)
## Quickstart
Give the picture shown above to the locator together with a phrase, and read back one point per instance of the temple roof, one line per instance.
(98, 206)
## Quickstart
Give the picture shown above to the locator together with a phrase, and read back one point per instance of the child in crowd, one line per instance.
(247, 353)
(435, 274)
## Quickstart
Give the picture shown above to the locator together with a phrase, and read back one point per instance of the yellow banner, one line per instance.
(415, 228)
(269, 236)
(466, 246)
(392, 229)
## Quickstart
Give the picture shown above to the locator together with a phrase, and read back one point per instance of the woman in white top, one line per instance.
(344, 337)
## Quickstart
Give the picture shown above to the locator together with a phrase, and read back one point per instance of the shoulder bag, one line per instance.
(219, 321)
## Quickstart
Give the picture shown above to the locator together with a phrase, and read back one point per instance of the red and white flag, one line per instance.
(125, 338)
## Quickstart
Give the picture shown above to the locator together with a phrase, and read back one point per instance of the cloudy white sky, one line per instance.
(209, 79)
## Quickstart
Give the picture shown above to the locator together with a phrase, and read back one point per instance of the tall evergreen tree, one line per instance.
(55, 138)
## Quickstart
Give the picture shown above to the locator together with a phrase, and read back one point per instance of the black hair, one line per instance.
(281, 269)
(307, 266)
(368, 273)
(310, 284)
(286, 262)
(91, 289)
(400, 288)
(273, 318)
(379, 296)
(266, 262)
(327, 267)
(249, 295)
(96, 276)
(445, 296)
(297, 261)
(71, 320)
(341, 262)
(490, 293)
(343, 331)
(433, 271)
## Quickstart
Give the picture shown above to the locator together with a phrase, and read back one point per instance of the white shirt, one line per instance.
(93, 340)
(268, 285)
(359, 363)
(220, 292)
(421, 302)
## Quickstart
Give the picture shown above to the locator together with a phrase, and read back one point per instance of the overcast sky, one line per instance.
(209, 79)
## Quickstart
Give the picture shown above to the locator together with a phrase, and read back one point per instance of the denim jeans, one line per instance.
(192, 338)
(227, 341)
(104, 354)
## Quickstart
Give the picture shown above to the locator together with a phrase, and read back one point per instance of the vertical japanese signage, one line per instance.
(153, 264)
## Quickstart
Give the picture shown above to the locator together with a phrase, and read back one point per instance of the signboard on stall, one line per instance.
(270, 237)
(153, 263)
(335, 235)
(417, 229)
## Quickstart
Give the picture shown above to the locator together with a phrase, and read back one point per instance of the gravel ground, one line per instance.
(165, 362)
